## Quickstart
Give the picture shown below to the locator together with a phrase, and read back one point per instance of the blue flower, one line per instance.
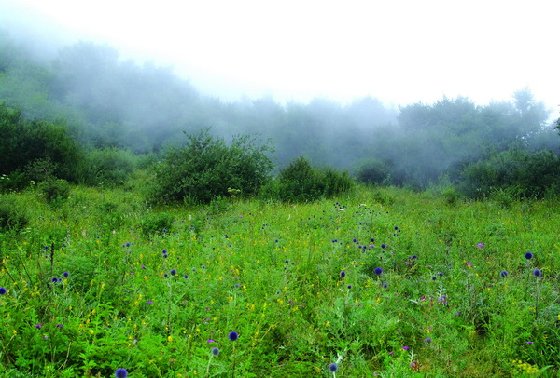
(528, 255)
(383, 246)
(65, 274)
(342, 274)
(215, 351)
(121, 373)
(173, 272)
(233, 336)
(537, 272)
(333, 367)
(3, 290)
(504, 273)
(378, 271)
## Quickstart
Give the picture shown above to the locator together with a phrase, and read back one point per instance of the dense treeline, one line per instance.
(114, 110)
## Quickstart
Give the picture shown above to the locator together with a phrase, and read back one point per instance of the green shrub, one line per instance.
(54, 191)
(109, 167)
(373, 172)
(300, 182)
(36, 147)
(12, 216)
(157, 224)
(207, 168)
(529, 175)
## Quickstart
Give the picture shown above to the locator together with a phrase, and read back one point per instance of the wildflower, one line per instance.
(504, 273)
(537, 272)
(186, 276)
(383, 246)
(54, 280)
(215, 351)
(355, 240)
(3, 290)
(128, 244)
(529, 342)
(342, 274)
(233, 335)
(396, 228)
(65, 274)
(59, 326)
(428, 340)
(349, 287)
(480, 245)
(378, 271)
(164, 253)
(333, 367)
(39, 325)
(173, 272)
(210, 341)
(405, 347)
(442, 300)
(528, 255)
(121, 373)
(149, 302)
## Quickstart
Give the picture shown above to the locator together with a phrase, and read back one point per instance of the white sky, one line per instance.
(396, 50)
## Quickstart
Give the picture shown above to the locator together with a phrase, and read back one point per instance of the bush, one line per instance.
(527, 174)
(300, 182)
(36, 148)
(12, 216)
(373, 172)
(207, 168)
(55, 191)
(109, 166)
(157, 224)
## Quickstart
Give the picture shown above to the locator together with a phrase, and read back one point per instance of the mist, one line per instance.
(107, 100)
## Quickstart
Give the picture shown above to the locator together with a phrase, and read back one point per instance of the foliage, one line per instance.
(13, 216)
(54, 191)
(107, 166)
(530, 175)
(373, 172)
(207, 168)
(455, 294)
(157, 224)
(300, 182)
(38, 149)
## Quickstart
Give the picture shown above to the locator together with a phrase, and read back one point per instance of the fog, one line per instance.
(109, 96)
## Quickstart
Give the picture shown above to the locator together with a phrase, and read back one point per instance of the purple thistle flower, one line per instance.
(537, 273)
(480, 245)
(39, 325)
(406, 347)
(233, 336)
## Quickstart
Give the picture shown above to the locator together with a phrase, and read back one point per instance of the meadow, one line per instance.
(381, 282)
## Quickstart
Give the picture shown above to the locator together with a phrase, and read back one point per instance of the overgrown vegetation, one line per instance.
(300, 182)
(381, 281)
(207, 168)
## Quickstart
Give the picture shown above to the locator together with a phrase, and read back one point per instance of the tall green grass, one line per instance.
(297, 282)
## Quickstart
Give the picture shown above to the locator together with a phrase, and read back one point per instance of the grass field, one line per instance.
(382, 282)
